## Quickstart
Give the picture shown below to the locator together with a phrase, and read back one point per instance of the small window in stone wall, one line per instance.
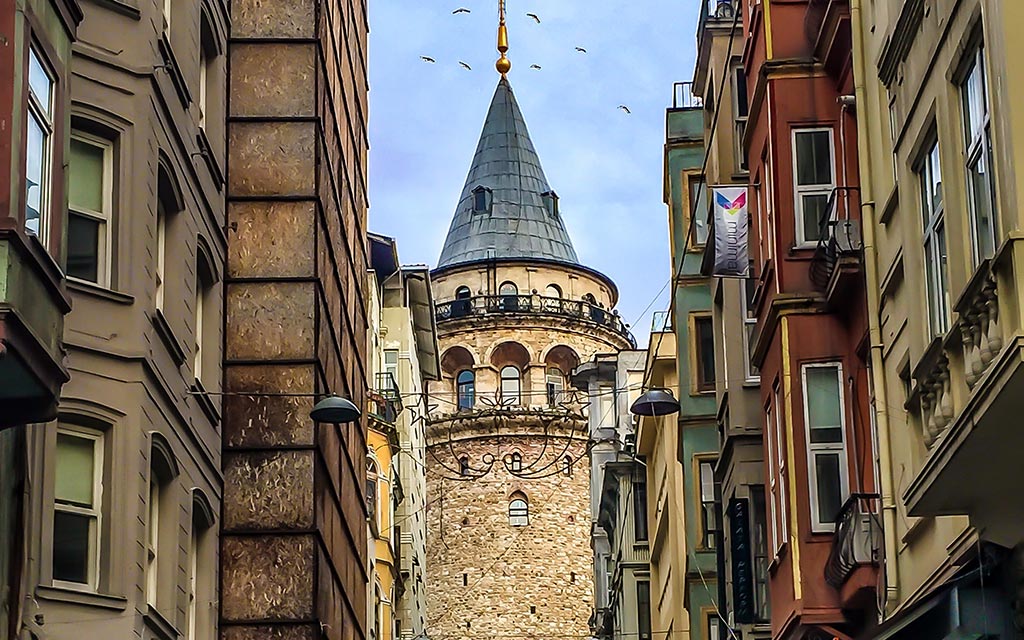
(518, 510)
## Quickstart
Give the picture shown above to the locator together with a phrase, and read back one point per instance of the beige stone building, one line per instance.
(508, 510)
(938, 107)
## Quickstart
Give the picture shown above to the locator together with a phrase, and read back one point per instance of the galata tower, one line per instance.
(508, 515)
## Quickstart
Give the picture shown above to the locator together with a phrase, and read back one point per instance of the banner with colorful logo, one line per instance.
(731, 230)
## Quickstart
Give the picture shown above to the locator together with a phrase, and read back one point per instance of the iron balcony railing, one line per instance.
(858, 538)
(477, 306)
(838, 235)
(386, 397)
(715, 10)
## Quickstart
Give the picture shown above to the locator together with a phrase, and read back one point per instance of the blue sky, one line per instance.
(605, 165)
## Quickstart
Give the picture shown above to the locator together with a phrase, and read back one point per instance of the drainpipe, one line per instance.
(881, 407)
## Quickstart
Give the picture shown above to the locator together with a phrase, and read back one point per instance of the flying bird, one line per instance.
(461, 10)
(465, 66)
(534, 16)
(535, 66)
(427, 59)
(624, 108)
(581, 49)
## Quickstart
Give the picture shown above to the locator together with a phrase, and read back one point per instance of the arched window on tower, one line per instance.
(515, 462)
(553, 291)
(464, 466)
(511, 386)
(567, 465)
(554, 383)
(589, 298)
(466, 389)
(518, 510)
(508, 294)
(462, 293)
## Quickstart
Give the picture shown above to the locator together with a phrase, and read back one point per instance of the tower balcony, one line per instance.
(581, 311)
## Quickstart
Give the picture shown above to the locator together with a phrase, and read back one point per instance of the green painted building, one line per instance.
(687, 198)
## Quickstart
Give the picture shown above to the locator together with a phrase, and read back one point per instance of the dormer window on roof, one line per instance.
(483, 199)
(550, 203)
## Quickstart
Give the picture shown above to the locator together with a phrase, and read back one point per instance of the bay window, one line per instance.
(935, 257)
(825, 420)
(978, 157)
(814, 180)
(39, 150)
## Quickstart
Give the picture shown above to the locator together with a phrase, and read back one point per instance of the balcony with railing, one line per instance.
(716, 11)
(385, 398)
(836, 268)
(968, 402)
(857, 543)
(488, 305)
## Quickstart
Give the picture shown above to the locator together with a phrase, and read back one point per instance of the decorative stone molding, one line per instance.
(979, 326)
(936, 399)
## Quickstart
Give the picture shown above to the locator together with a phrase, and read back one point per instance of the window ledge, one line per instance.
(207, 153)
(159, 625)
(122, 7)
(167, 336)
(99, 291)
(206, 403)
(76, 596)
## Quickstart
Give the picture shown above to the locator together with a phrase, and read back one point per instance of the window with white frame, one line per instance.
(708, 521)
(89, 208)
(167, 16)
(813, 179)
(554, 383)
(511, 385)
(777, 467)
(518, 510)
(933, 218)
(39, 150)
(77, 507)
(202, 576)
(978, 157)
(825, 419)
(205, 307)
(153, 540)
(773, 482)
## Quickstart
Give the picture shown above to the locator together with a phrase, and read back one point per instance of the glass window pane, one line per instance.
(83, 247)
(829, 484)
(706, 354)
(86, 176)
(934, 179)
(699, 207)
(824, 412)
(35, 159)
(75, 471)
(741, 93)
(981, 200)
(707, 482)
(71, 541)
(813, 158)
(39, 81)
(815, 209)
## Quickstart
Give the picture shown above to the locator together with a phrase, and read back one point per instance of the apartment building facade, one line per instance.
(811, 334)
(35, 102)
(940, 146)
(719, 77)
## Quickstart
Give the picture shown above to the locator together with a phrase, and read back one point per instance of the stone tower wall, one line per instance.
(486, 577)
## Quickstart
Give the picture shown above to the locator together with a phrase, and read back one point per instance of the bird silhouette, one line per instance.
(581, 49)
(461, 10)
(465, 66)
(535, 66)
(427, 59)
(624, 108)
(534, 16)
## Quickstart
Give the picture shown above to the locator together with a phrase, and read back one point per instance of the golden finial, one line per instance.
(503, 65)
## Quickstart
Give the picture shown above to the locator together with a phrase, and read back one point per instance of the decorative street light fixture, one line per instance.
(655, 402)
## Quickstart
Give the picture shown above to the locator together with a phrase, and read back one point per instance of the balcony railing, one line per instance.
(716, 10)
(386, 398)
(857, 540)
(839, 241)
(478, 306)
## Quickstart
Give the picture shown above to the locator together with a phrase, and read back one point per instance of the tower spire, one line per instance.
(503, 65)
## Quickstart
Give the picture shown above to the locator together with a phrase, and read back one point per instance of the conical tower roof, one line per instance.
(519, 222)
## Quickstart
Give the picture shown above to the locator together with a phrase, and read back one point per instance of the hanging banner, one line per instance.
(731, 229)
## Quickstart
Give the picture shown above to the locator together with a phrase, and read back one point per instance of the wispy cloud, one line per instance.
(605, 165)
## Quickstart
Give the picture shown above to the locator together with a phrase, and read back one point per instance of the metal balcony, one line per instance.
(836, 266)
(479, 306)
(858, 538)
(386, 398)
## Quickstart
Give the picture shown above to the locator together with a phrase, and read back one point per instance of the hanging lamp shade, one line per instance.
(335, 410)
(655, 402)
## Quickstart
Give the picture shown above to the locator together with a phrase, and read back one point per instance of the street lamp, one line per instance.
(335, 410)
(655, 402)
